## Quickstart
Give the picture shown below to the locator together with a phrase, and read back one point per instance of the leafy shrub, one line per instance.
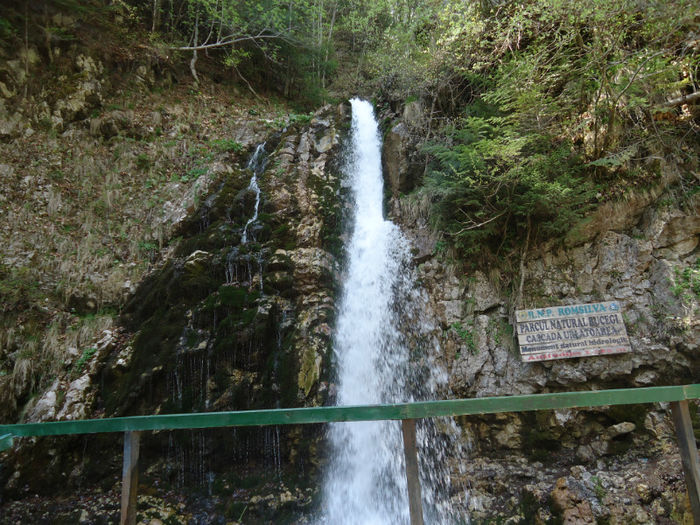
(466, 335)
(226, 145)
(6, 29)
(490, 183)
(686, 283)
(300, 118)
(194, 174)
(82, 360)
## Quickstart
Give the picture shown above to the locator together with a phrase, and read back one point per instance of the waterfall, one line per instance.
(375, 359)
(257, 165)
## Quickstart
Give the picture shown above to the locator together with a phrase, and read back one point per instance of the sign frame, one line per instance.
(578, 330)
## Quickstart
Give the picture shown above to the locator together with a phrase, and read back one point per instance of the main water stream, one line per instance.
(376, 360)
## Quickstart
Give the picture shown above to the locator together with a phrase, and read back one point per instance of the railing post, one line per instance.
(415, 506)
(130, 477)
(689, 454)
(5, 441)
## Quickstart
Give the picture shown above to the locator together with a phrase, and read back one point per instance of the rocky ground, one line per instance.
(155, 508)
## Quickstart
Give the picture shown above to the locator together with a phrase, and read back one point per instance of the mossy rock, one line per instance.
(236, 297)
(153, 346)
(217, 236)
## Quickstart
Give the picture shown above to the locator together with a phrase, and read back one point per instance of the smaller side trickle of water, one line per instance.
(257, 165)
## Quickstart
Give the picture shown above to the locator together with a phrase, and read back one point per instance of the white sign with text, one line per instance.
(560, 332)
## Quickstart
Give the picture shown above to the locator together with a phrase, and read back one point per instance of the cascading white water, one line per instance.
(365, 482)
(257, 166)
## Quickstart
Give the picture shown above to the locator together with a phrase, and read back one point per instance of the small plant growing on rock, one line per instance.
(301, 118)
(598, 488)
(687, 282)
(226, 145)
(466, 335)
(193, 174)
(84, 358)
(148, 249)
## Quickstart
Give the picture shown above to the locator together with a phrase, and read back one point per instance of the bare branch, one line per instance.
(685, 99)
(230, 39)
(475, 226)
(247, 83)
(634, 76)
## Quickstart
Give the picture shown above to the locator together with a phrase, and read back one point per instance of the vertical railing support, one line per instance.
(130, 477)
(408, 428)
(689, 454)
(5, 442)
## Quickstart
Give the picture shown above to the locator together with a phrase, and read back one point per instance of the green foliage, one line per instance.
(143, 161)
(440, 248)
(300, 118)
(7, 30)
(148, 248)
(226, 145)
(82, 360)
(548, 109)
(686, 283)
(491, 180)
(466, 335)
(193, 174)
(596, 66)
(600, 491)
(500, 330)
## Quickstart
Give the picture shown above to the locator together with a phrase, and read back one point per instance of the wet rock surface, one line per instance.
(572, 466)
(216, 324)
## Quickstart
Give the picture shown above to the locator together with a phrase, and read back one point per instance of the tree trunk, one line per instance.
(193, 62)
(330, 37)
(156, 16)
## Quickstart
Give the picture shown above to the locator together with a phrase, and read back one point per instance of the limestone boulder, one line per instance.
(45, 409)
(11, 126)
(77, 400)
(402, 167)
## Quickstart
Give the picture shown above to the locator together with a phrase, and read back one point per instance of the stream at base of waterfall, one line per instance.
(383, 353)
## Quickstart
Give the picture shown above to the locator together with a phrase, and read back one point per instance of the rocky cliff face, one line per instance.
(176, 313)
(129, 288)
(582, 466)
(95, 176)
(224, 324)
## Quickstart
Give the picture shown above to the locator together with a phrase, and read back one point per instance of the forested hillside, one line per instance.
(533, 113)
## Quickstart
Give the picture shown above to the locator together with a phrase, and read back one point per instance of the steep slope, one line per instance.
(126, 285)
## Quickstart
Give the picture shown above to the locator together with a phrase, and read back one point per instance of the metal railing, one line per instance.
(132, 426)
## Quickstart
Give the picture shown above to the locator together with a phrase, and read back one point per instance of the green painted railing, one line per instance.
(5, 441)
(132, 426)
(417, 410)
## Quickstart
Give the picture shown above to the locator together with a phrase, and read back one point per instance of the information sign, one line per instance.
(559, 332)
